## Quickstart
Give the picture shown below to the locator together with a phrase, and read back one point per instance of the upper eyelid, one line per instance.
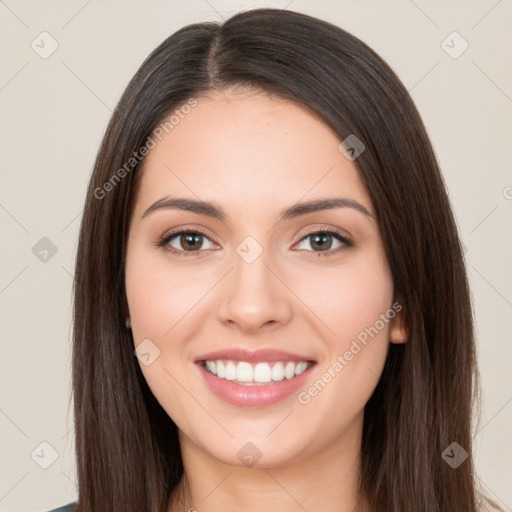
(329, 229)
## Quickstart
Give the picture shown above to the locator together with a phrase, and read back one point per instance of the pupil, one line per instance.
(191, 239)
(322, 245)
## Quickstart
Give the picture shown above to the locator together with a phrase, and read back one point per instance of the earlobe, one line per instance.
(398, 332)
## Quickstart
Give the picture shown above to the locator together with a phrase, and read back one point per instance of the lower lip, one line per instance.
(254, 396)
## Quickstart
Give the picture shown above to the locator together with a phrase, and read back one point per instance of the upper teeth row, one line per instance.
(243, 371)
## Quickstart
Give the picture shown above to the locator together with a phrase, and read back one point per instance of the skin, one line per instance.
(255, 155)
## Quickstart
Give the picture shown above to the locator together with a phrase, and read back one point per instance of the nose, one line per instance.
(255, 296)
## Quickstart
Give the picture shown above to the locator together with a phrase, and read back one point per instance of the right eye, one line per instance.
(190, 240)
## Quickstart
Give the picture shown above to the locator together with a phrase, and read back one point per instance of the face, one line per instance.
(293, 313)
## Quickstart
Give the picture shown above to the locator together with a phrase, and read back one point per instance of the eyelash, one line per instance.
(165, 239)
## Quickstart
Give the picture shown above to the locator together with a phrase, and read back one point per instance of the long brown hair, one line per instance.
(127, 450)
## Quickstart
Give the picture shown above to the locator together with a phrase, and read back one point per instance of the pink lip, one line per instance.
(268, 355)
(254, 396)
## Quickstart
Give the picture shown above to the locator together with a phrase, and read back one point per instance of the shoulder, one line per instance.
(70, 507)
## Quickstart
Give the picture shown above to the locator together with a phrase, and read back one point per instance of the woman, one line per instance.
(271, 303)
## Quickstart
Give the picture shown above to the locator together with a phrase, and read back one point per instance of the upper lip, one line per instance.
(252, 356)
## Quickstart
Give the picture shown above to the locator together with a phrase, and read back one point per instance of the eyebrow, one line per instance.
(210, 209)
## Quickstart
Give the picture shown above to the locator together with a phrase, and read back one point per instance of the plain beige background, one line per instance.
(55, 109)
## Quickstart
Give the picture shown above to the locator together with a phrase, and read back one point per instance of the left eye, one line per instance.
(323, 241)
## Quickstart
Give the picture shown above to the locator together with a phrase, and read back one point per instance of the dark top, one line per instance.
(66, 508)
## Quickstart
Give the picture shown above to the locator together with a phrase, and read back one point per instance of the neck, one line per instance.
(325, 481)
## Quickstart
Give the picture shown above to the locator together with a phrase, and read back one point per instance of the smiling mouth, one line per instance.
(255, 374)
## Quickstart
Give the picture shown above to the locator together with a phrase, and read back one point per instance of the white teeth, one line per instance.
(261, 373)
(221, 371)
(244, 372)
(301, 368)
(278, 372)
(230, 371)
(289, 370)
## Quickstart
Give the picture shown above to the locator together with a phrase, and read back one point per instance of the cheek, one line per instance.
(353, 304)
(348, 299)
(161, 299)
(159, 295)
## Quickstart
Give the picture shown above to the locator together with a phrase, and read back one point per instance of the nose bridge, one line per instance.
(254, 295)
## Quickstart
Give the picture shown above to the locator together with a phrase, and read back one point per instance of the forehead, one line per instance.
(248, 149)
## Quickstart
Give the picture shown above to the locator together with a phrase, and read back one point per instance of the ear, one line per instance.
(398, 332)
